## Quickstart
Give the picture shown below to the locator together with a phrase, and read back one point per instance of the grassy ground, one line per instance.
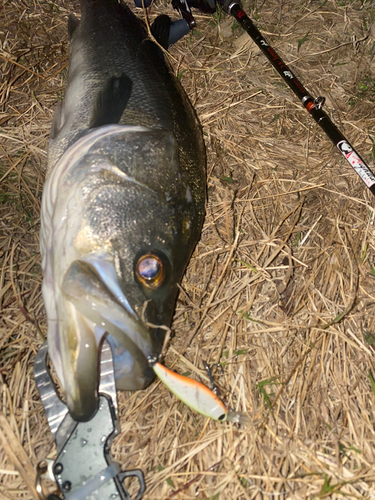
(280, 289)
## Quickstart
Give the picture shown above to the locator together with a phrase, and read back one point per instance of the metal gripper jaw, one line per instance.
(83, 469)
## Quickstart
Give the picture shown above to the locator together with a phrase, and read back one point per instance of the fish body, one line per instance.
(123, 204)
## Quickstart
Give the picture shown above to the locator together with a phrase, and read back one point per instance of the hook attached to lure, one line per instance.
(197, 396)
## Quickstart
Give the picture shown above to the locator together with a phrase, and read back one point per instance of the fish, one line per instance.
(123, 203)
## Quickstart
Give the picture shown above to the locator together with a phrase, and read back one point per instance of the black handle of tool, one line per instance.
(139, 475)
(313, 106)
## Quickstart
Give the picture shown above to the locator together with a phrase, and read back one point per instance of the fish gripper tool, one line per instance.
(84, 468)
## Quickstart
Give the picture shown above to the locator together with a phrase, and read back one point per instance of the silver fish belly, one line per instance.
(123, 204)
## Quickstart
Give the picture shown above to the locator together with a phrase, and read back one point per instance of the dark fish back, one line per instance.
(157, 99)
(114, 47)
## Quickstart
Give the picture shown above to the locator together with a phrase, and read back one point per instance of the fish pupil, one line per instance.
(149, 268)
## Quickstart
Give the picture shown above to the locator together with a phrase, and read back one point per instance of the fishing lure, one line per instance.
(192, 393)
(198, 397)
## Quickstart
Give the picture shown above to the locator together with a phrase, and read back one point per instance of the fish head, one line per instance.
(119, 223)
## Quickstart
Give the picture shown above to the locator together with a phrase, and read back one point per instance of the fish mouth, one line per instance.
(94, 305)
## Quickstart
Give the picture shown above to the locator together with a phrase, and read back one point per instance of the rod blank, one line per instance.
(313, 106)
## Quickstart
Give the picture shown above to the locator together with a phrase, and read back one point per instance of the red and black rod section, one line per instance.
(313, 106)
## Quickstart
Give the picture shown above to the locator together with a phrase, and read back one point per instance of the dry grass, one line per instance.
(280, 289)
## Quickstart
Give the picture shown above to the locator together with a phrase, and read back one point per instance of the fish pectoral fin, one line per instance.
(111, 101)
(73, 23)
(160, 30)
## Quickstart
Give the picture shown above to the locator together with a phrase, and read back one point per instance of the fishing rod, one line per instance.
(313, 105)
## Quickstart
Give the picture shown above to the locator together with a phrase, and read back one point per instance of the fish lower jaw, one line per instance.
(91, 305)
(127, 374)
(81, 363)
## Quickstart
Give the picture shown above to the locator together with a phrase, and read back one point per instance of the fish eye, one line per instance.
(150, 270)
